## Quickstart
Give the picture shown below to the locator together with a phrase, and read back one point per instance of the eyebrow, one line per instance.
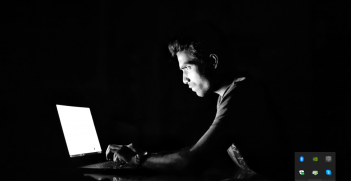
(183, 66)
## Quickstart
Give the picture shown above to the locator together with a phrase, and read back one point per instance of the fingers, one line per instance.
(131, 146)
(111, 149)
(107, 152)
(116, 158)
(123, 153)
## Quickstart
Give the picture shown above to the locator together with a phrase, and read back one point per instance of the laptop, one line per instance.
(83, 144)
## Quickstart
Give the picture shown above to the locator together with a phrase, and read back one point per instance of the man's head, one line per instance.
(194, 73)
(203, 58)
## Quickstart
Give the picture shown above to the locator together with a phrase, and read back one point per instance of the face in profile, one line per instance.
(192, 74)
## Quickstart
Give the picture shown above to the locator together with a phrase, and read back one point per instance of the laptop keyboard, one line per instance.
(109, 164)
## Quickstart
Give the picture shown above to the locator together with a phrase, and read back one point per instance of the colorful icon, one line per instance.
(315, 172)
(302, 172)
(315, 159)
(328, 172)
(301, 159)
(328, 158)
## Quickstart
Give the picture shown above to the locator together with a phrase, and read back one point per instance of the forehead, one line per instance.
(184, 58)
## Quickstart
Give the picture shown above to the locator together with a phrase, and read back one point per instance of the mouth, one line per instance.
(192, 87)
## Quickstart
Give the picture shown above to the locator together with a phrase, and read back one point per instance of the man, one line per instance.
(243, 119)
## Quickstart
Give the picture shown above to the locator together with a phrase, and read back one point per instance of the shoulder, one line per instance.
(232, 98)
(244, 98)
(237, 92)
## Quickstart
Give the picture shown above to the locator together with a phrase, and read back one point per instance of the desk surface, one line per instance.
(39, 173)
(103, 177)
(210, 176)
(68, 175)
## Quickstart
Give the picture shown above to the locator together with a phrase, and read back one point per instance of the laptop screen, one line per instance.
(79, 130)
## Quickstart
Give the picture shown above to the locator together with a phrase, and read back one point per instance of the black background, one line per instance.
(113, 57)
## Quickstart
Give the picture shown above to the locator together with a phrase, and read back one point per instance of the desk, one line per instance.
(95, 177)
(161, 177)
(164, 177)
(74, 175)
(68, 174)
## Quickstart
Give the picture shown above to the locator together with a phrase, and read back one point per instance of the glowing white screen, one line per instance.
(78, 129)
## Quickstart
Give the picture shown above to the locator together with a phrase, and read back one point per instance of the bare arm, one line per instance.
(175, 161)
(195, 158)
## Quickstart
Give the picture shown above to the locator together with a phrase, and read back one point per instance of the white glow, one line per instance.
(78, 129)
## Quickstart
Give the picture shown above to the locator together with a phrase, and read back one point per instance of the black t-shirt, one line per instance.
(245, 120)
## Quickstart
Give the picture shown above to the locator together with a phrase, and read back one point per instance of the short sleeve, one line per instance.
(224, 129)
(241, 114)
(233, 109)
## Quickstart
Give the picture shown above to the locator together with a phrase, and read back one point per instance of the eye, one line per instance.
(186, 68)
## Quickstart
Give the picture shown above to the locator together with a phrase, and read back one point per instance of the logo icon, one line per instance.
(302, 172)
(328, 158)
(328, 172)
(315, 159)
(315, 172)
(301, 159)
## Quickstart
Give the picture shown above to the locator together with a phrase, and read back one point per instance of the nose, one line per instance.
(185, 79)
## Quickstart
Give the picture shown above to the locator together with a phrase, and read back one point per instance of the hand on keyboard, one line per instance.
(121, 154)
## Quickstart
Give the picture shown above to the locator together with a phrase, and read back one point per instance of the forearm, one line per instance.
(177, 161)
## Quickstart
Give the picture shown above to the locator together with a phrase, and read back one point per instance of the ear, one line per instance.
(214, 61)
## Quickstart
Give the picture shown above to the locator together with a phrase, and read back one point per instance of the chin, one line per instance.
(201, 94)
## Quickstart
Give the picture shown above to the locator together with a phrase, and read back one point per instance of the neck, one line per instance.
(223, 86)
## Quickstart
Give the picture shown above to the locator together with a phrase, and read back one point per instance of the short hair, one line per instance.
(201, 39)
